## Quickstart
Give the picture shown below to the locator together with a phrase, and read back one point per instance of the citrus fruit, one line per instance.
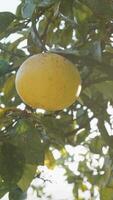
(48, 81)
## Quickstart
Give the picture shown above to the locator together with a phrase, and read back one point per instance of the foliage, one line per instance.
(80, 30)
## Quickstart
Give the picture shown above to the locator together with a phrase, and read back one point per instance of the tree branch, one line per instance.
(36, 36)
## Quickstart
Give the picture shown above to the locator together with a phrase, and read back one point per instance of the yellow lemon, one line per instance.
(48, 81)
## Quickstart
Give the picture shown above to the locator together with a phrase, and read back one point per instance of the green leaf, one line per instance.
(28, 176)
(66, 8)
(96, 51)
(9, 91)
(81, 137)
(106, 88)
(3, 188)
(27, 138)
(18, 11)
(82, 117)
(5, 20)
(107, 138)
(28, 8)
(82, 12)
(110, 182)
(106, 193)
(32, 47)
(102, 9)
(5, 120)
(9, 86)
(82, 31)
(11, 164)
(71, 179)
(19, 57)
(65, 36)
(96, 145)
(56, 128)
(13, 46)
(17, 194)
(75, 190)
(4, 67)
(14, 27)
(49, 161)
(45, 3)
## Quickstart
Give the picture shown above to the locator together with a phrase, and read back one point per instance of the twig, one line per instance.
(36, 36)
(38, 176)
(3, 133)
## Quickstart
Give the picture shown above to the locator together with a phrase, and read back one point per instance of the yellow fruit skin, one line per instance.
(48, 81)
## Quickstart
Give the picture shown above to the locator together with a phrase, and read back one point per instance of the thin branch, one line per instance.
(4, 133)
(43, 179)
(37, 37)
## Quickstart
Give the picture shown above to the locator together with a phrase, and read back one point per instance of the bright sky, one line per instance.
(9, 5)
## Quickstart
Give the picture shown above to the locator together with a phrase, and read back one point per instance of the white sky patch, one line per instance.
(74, 35)
(68, 46)
(57, 187)
(109, 129)
(21, 106)
(56, 154)
(62, 25)
(13, 99)
(39, 110)
(2, 94)
(11, 5)
(2, 105)
(13, 37)
(55, 30)
(110, 109)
